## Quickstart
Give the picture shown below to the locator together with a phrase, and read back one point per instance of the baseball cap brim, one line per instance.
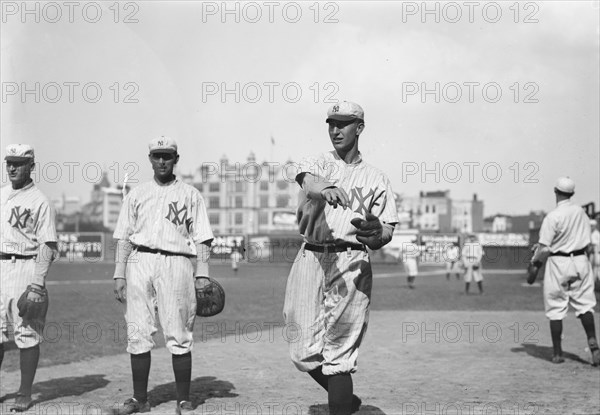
(341, 118)
(163, 150)
(17, 158)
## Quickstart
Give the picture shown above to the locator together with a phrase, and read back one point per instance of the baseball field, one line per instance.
(430, 350)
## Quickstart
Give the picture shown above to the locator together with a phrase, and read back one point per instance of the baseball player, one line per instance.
(163, 224)
(236, 257)
(28, 245)
(472, 254)
(410, 253)
(594, 254)
(563, 243)
(452, 265)
(329, 286)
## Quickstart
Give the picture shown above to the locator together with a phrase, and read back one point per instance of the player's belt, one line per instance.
(11, 257)
(334, 248)
(574, 253)
(141, 248)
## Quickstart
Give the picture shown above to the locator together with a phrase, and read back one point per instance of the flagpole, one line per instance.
(272, 147)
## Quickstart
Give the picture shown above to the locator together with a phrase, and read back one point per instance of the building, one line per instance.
(435, 212)
(104, 206)
(248, 198)
(67, 205)
(467, 215)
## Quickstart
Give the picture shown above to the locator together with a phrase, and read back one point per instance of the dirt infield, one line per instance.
(412, 362)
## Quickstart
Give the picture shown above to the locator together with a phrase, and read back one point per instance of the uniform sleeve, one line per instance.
(547, 231)
(46, 224)
(126, 220)
(201, 230)
(384, 204)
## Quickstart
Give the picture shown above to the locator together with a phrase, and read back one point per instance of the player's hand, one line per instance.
(201, 282)
(120, 290)
(35, 297)
(336, 196)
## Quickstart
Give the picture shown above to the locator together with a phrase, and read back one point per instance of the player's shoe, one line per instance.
(22, 403)
(595, 350)
(558, 359)
(184, 408)
(131, 406)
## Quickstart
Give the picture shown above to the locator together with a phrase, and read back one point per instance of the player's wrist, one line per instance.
(118, 277)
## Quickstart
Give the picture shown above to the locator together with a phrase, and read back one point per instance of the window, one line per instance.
(239, 218)
(213, 218)
(433, 209)
(239, 202)
(213, 202)
(264, 185)
(240, 187)
(282, 201)
(282, 184)
(426, 208)
(263, 218)
(213, 187)
(264, 201)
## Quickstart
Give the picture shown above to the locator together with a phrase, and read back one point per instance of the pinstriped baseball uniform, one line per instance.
(172, 219)
(328, 294)
(28, 220)
(567, 279)
(472, 253)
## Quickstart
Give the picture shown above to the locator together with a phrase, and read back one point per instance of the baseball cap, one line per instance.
(19, 152)
(565, 185)
(162, 144)
(345, 111)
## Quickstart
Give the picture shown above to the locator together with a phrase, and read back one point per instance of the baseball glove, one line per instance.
(369, 231)
(532, 271)
(33, 312)
(210, 299)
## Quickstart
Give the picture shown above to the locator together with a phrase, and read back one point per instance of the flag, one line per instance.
(272, 141)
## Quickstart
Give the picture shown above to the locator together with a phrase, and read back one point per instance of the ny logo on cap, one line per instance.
(161, 143)
(12, 150)
(336, 108)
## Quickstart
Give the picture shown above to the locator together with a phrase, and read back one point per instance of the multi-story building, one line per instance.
(467, 215)
(436, 211)
(104, 206)
(248, 198)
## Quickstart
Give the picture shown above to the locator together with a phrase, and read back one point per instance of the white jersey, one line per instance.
(472, 252)
(28, 220)
(566, 228)
(171, 218)
(368, 188)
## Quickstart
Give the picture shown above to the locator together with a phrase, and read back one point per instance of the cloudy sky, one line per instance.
(493, 98)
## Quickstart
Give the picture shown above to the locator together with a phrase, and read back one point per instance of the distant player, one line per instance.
(27, 248)
(164, 226)
(236, 257)
(564, 241)
(329, 287)
(471, 256)
(410, 253)
(452, 261)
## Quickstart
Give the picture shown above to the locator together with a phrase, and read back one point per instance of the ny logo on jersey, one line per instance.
(179, 216)
(19, 219)
(363, 208)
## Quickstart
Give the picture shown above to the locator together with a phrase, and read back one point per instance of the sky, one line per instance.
(494, 98)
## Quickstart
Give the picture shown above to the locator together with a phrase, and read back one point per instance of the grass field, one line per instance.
(84, 320)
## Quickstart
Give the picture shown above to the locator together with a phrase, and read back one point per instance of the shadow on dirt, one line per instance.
(545, 353)
(323, 409)
(201, 389)
(62, 387)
